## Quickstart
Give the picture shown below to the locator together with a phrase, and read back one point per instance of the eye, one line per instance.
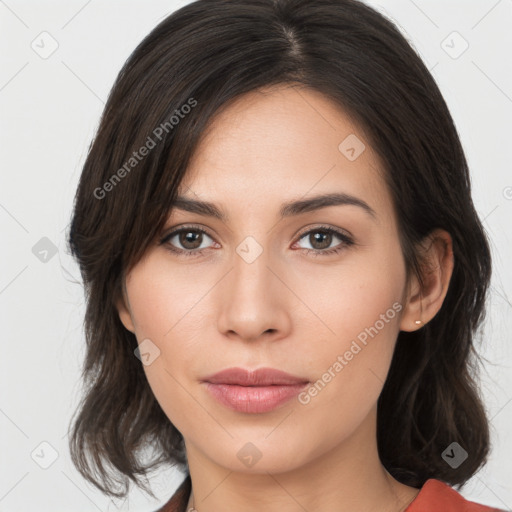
(322, 237)
(190, 238)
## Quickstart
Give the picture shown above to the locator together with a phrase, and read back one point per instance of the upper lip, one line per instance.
(259, 377)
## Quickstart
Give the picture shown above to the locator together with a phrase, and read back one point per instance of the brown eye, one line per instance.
(189, 239)
(321, 238)
(186, 241)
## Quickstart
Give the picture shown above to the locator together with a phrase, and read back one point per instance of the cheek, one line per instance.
(346, 300)
(163, 301)
(162, 307)
(360, 308)
(351, 365)
(350, 369)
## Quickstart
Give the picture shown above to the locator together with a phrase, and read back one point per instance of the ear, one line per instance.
(124, 311)
(423, 302)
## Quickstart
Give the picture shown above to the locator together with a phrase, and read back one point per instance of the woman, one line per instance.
(283, 266)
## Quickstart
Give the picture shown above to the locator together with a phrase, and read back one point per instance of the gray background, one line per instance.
(50, 109)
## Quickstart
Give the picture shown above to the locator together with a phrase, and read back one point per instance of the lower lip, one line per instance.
(253, 399)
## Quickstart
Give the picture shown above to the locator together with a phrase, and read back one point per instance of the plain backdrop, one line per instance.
(59, 61)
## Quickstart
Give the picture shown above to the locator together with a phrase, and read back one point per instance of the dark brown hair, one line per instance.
(190, 66)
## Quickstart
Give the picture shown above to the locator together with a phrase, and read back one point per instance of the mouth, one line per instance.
(260, 391)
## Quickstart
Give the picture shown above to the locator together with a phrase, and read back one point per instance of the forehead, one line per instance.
(284, 142)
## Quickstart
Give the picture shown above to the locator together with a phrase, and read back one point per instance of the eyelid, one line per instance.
(181, 227)
(324, 227)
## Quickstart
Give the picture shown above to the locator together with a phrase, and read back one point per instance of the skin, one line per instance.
(288, 309)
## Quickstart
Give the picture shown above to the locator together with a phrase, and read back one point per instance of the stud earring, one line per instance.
(418, 322)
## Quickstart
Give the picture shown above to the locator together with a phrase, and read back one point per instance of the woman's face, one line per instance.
(269, 290)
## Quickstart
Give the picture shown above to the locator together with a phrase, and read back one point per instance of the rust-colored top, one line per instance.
(434, 496)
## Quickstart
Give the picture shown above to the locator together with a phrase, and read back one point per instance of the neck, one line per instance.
(348, 478)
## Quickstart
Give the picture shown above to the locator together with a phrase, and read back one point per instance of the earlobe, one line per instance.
(412, 312)
(424, 301)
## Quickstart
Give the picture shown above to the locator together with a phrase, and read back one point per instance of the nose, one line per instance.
(255, 302)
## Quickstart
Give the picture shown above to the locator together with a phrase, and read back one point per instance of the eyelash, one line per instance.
(346, 241)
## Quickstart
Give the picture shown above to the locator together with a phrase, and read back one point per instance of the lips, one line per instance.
(259, 377)
(253, 392)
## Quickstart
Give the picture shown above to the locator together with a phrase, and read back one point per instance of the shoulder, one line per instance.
(435, 494)
(178, 501)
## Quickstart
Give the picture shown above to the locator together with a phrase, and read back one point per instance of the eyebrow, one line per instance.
(287, 209)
